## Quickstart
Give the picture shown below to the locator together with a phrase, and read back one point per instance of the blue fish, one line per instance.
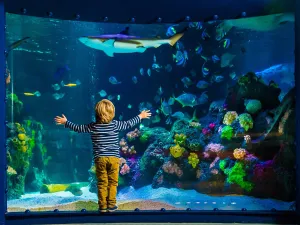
(180, 58)
(165, 108)
(178, 115)
(205, 71)
(187, 99)
(113, 80)
(171, 31)
(226, 43)
(202, 84)
(205, 35)
(215, 58)
(60, 72)
(134, 79)
(199, 50)
(179, 46)
(197, 25)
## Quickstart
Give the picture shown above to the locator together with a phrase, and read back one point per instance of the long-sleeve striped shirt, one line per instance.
(105, 137)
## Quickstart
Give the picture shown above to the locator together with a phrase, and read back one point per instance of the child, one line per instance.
(105, 138)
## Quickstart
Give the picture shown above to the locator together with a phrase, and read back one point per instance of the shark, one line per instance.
(124, 43)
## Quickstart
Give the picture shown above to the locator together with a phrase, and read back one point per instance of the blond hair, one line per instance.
(105, 111)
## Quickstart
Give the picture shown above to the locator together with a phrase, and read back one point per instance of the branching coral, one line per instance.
(193, 159)
(227, 132)
(176, 151)
(230, 117)
(126, 150)
(239, 153)
(246, 121)
(172, 168)
(132, 135)
(180, 139)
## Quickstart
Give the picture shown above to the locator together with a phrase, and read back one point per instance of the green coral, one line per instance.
(144, 137)
(246, 121)
(253, 106)
(222, 164)
(193, 159)
(244, 80)
(180, 139)
(236, 174)
(14, 103)
(227, 132)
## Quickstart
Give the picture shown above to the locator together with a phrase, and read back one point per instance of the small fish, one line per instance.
(149, 72)
(179, 46)
(233, 75)
(56, 87)
(156, 67)
(171, 31)
(217, 78)
(168, 68)
(199, 49)
(202, 84)
(118, 97)
(111, 97)
(160, 91)
(134, 79)
(129, 106)
(180, 58)
(154, 58)
(186, 81)
(142, 72)
(226, 43)
(102, 93)
(37, 94)
(121, 116)
(197, 25)
(58, 96)
(77, 82)
(205, 71)
(205, 35)
(113, 80)
(215, 58)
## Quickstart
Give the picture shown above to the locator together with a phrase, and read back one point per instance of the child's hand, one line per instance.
(145, 114)
(60, 120)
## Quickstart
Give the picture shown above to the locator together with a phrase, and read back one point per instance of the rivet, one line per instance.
(77, 16)
(105, 19)
(243, 14)
(216, 209)
(132, 20)
(244, 209)
(188, 209)
(23, 10)
(50, 14)
(159, 20)
(55, 210)
(215, 17)
(136, 209)
(83, 210)
(187, 18)
(163, 209)
(27, 211)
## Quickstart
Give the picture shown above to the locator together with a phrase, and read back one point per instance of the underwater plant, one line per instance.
(193, 159)
(176, 151)
(227, 132)
(230, 117)
(246, 121)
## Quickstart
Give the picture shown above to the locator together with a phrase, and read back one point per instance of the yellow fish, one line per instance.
(37, 94)
(71, 84)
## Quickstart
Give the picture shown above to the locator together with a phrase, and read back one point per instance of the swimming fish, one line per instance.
(134, 79)
(186, 81)
(217, 78)
(156, 67)
(197, 25)
(205, 71)
(233, 75)
(58, 96)
(37, 94)
(205, 35)
(111, 97)
(171, 101)
(215, 58)
(187, 99)
(142, 71)
(122, 43)
(149, 72)
(226, 43)
(102, 93)
(199, 49)
(129, 106)
(171, 31)
(113, 80)
(202, 84)
(118, 97)
(56, 87)
(77, 82)
(226, 59)
(180, 58)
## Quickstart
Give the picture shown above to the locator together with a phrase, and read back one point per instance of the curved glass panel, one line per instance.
(222, 129)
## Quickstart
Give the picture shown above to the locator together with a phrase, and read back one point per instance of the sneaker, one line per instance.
(102, 210)
(112, 209)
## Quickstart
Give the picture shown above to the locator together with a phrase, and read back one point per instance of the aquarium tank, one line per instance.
(222, 97)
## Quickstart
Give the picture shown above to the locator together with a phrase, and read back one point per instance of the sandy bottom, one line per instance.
(145, 198)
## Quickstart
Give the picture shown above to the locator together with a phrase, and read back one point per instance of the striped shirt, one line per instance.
(105, 137)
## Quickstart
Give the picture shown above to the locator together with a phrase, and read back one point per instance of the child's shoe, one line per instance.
(112, 209)
(102, 210)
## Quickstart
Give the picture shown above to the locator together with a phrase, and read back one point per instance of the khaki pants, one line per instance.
(107, 172)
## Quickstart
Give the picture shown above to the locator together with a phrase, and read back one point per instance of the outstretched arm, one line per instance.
(124, 125)
(75, 127)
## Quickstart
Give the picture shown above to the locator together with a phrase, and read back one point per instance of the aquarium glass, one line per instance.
(221, 94)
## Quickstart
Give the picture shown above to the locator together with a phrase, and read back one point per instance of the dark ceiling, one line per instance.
(145, 11)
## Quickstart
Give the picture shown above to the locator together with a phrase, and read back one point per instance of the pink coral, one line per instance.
(126, 150)
(133, 134)
(206, 131)
(212, 126)
(125, 169)
(214, 162)
(214, 148)
(172, 168)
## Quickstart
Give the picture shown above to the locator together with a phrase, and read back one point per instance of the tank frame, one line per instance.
(137, 216)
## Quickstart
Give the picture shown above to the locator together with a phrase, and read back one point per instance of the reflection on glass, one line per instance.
(222, 99)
